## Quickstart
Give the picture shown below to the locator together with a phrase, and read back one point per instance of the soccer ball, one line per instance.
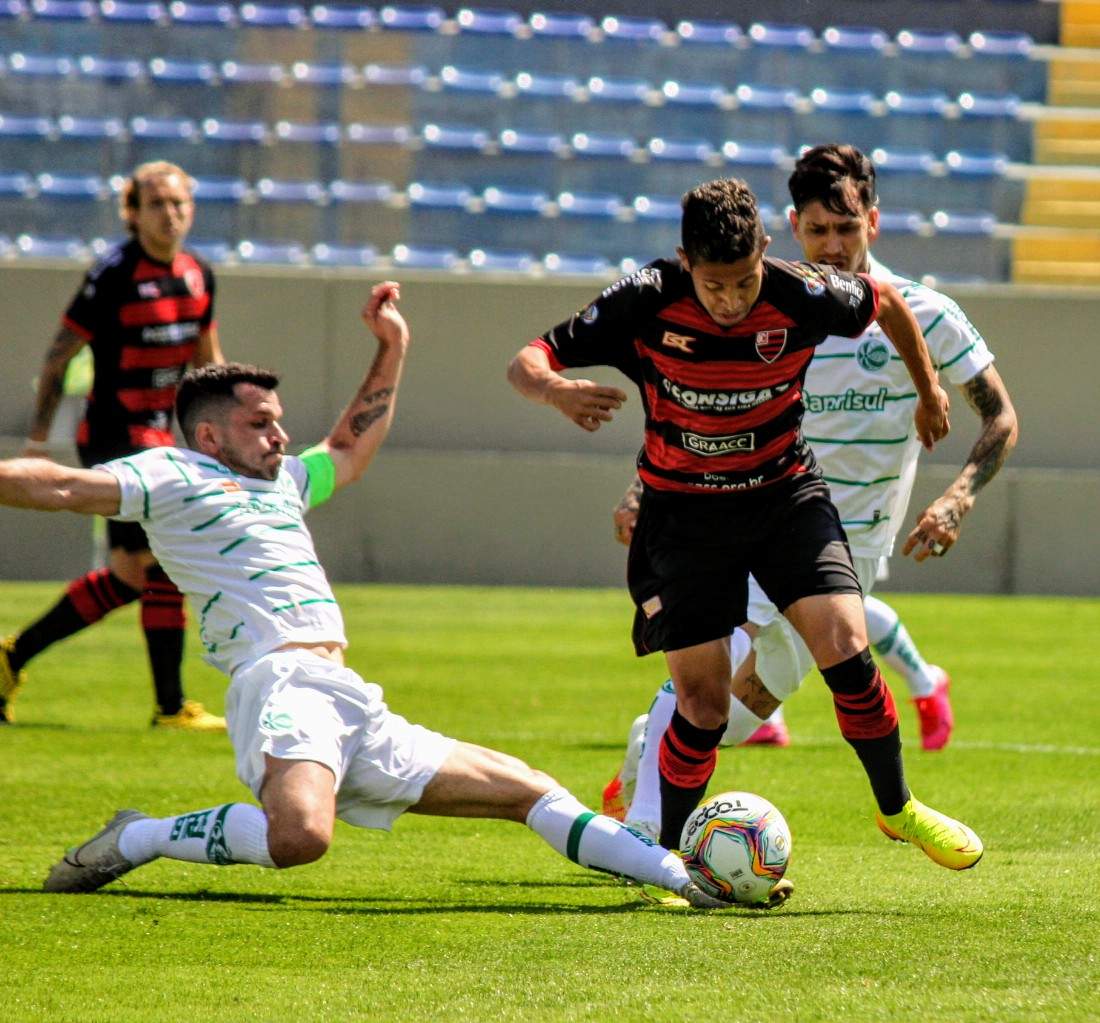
(736, 846)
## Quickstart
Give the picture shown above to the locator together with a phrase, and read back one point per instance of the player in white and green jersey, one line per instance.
(859, 420)
(313, 741)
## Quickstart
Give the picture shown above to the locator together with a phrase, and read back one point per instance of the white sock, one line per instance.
(894, 645)
(596, 841)
(231, 833)
(740, 648)
(645, 807)
(743, 722)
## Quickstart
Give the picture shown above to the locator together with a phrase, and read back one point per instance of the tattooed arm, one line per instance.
(363, 425)
(51, 385)
(941, 521)
(626, 511)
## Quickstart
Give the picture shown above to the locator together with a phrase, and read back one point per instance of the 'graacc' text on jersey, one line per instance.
(237, 546)
(723, 406)
(142, 320)
(860, 403)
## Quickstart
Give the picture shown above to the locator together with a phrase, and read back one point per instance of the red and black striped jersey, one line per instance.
(142, 319)
(723, 406)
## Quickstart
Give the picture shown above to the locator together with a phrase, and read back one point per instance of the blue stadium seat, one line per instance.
(71, 203)
(31, 65)
(897, 221)
(929, 42)
(399, 75)
(272, 15)
(337, 16)
(547, 100)
(765, 113)
(163, 129)
(466, 94)
(236, 132)
(599, 145)
(778, 55)
(15, 185)
(489, 22)
(619, 90)
(979, 180)
(531, 160)
(992, 43)
(915, 118)
(439, 213)
(404, 18)
(903, 161)
(271, 190)
(964, 222)
(672, 159)
(538, 143)
(695, 107)
(13, 10)
(562, 25)
(763, 165)
(328, 134)
(243, 73)
(469, 138)
(64, 10)
(657, 208)
(542, 85)
(13, 126)
(338, 254)
(361, 212)
(120, 12)
(991, 121)
(633, 29)
(181, 72)
(286, 209)
(218, 190)
(597, 205)
(700, 32)
(845, 113)
(34, 246)
(431, 195)
(575, 263)
(781, 36)
(341, 191)
(680, 150)
(71, 186)
(332, 75)
(976, 163)
(522, 202)
(114, 69)
(213, 251)
(379, 134)
(283, 253)
(425, 257)
(501, 261)
(474, 80)
(861, 39)
(512, 213)
(631, 45)
(202, 15)
(17, 206)
(603, 160)
(608, 236)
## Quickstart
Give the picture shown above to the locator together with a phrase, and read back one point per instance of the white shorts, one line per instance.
(294, 705)
(782, 659)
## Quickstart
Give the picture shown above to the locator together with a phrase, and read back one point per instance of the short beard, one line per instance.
(231, 460)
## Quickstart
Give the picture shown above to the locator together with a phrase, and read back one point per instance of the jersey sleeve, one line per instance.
(826, 300)
(958, 350)
(208, 320)
(85, 312)
(602, 333)
(314, 475)
(145, 479)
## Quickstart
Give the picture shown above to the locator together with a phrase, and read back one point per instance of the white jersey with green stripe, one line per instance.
(860, 402)
(237, 546)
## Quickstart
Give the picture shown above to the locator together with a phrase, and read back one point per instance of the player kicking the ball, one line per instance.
(718, 344)
(859, 421)
(313, 741)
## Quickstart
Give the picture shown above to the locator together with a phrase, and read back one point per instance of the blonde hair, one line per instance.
(129, 198)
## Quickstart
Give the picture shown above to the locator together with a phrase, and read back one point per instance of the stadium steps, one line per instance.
(1070, 136)
(1057, 201)
(1073, 77)
(1050, 256)
(1080, 22)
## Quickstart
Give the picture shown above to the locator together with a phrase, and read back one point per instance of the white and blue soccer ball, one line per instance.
(736, 846)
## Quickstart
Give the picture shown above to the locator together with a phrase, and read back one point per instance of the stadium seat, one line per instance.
(489, 22)
(219, 190)
(632, 29)
(20, 127)
(334, 16)
(514, 201)
(597, 205)
(379, 134)
(619, 90)
(64, 10)
(440, 196)
(400, 75)
(501, 261)
(904, 161)
(270, 190)
(991, 121)
(845, 113)
(562, 25)
(549, 86)
(272, 16)
(15, 185)
(402, 18)
(70, 186)
(119, 12)
(33, 246)
(897, 221)
(573, 263)
(861, 39)
(778, 55)
(781, 36)
(691, 106)
(166, 129)
(263, 74)
(71, 203)
(341, 191)
(212, 250)
(329, 134)
(700, 32)
(13, 10)
(284, 253)
(472, 80)
(181, 72)
(247, 132)
(455, 136)
(30, 65)
(202, 15)
(425, 257)
(765, 113)
(964, 222)
(106, 129)
(338, 254)
(929, 42)
(630, 45)
(992, 43)
(333, 75)
(116, 69)
(511, 140)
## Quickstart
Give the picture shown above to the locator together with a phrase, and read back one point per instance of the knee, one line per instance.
(706, 709)
(535, 784)
(293, 845)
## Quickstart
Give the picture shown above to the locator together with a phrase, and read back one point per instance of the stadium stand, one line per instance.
(325, 123)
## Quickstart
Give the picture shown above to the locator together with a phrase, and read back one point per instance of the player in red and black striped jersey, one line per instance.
(146, 311)
(718, 346)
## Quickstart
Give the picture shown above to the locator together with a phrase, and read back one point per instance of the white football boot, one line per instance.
(95, 863)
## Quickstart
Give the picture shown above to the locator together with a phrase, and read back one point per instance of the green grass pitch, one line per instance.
(472, 920)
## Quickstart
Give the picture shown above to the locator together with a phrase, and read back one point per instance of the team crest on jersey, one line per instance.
(681, 341)
(770, 343)
(812, 278)
(872, 354)
(193, 278)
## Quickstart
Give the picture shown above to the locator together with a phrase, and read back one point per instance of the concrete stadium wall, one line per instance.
(476, 485)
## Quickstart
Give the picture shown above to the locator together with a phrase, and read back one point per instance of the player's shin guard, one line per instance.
(163, 620)
(231, 833)
(686, 759)
(593, 840)
(86, 601)
(869, 722)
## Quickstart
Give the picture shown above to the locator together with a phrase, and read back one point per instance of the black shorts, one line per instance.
(127, 535)
(691, 557)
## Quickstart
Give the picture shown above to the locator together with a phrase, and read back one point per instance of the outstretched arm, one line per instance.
(46, 486)
(939, 525)
(901, 327)
(51, 386)
(363, 425)
(585, 402)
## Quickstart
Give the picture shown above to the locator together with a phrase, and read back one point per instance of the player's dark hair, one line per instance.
(839, 177)
(721, 223)
(207, 393)
(129, 196)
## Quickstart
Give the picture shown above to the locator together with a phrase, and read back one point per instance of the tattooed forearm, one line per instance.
(362, 421)
(986, 395)
(752, 692)
(51, 382)
(369, 397)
